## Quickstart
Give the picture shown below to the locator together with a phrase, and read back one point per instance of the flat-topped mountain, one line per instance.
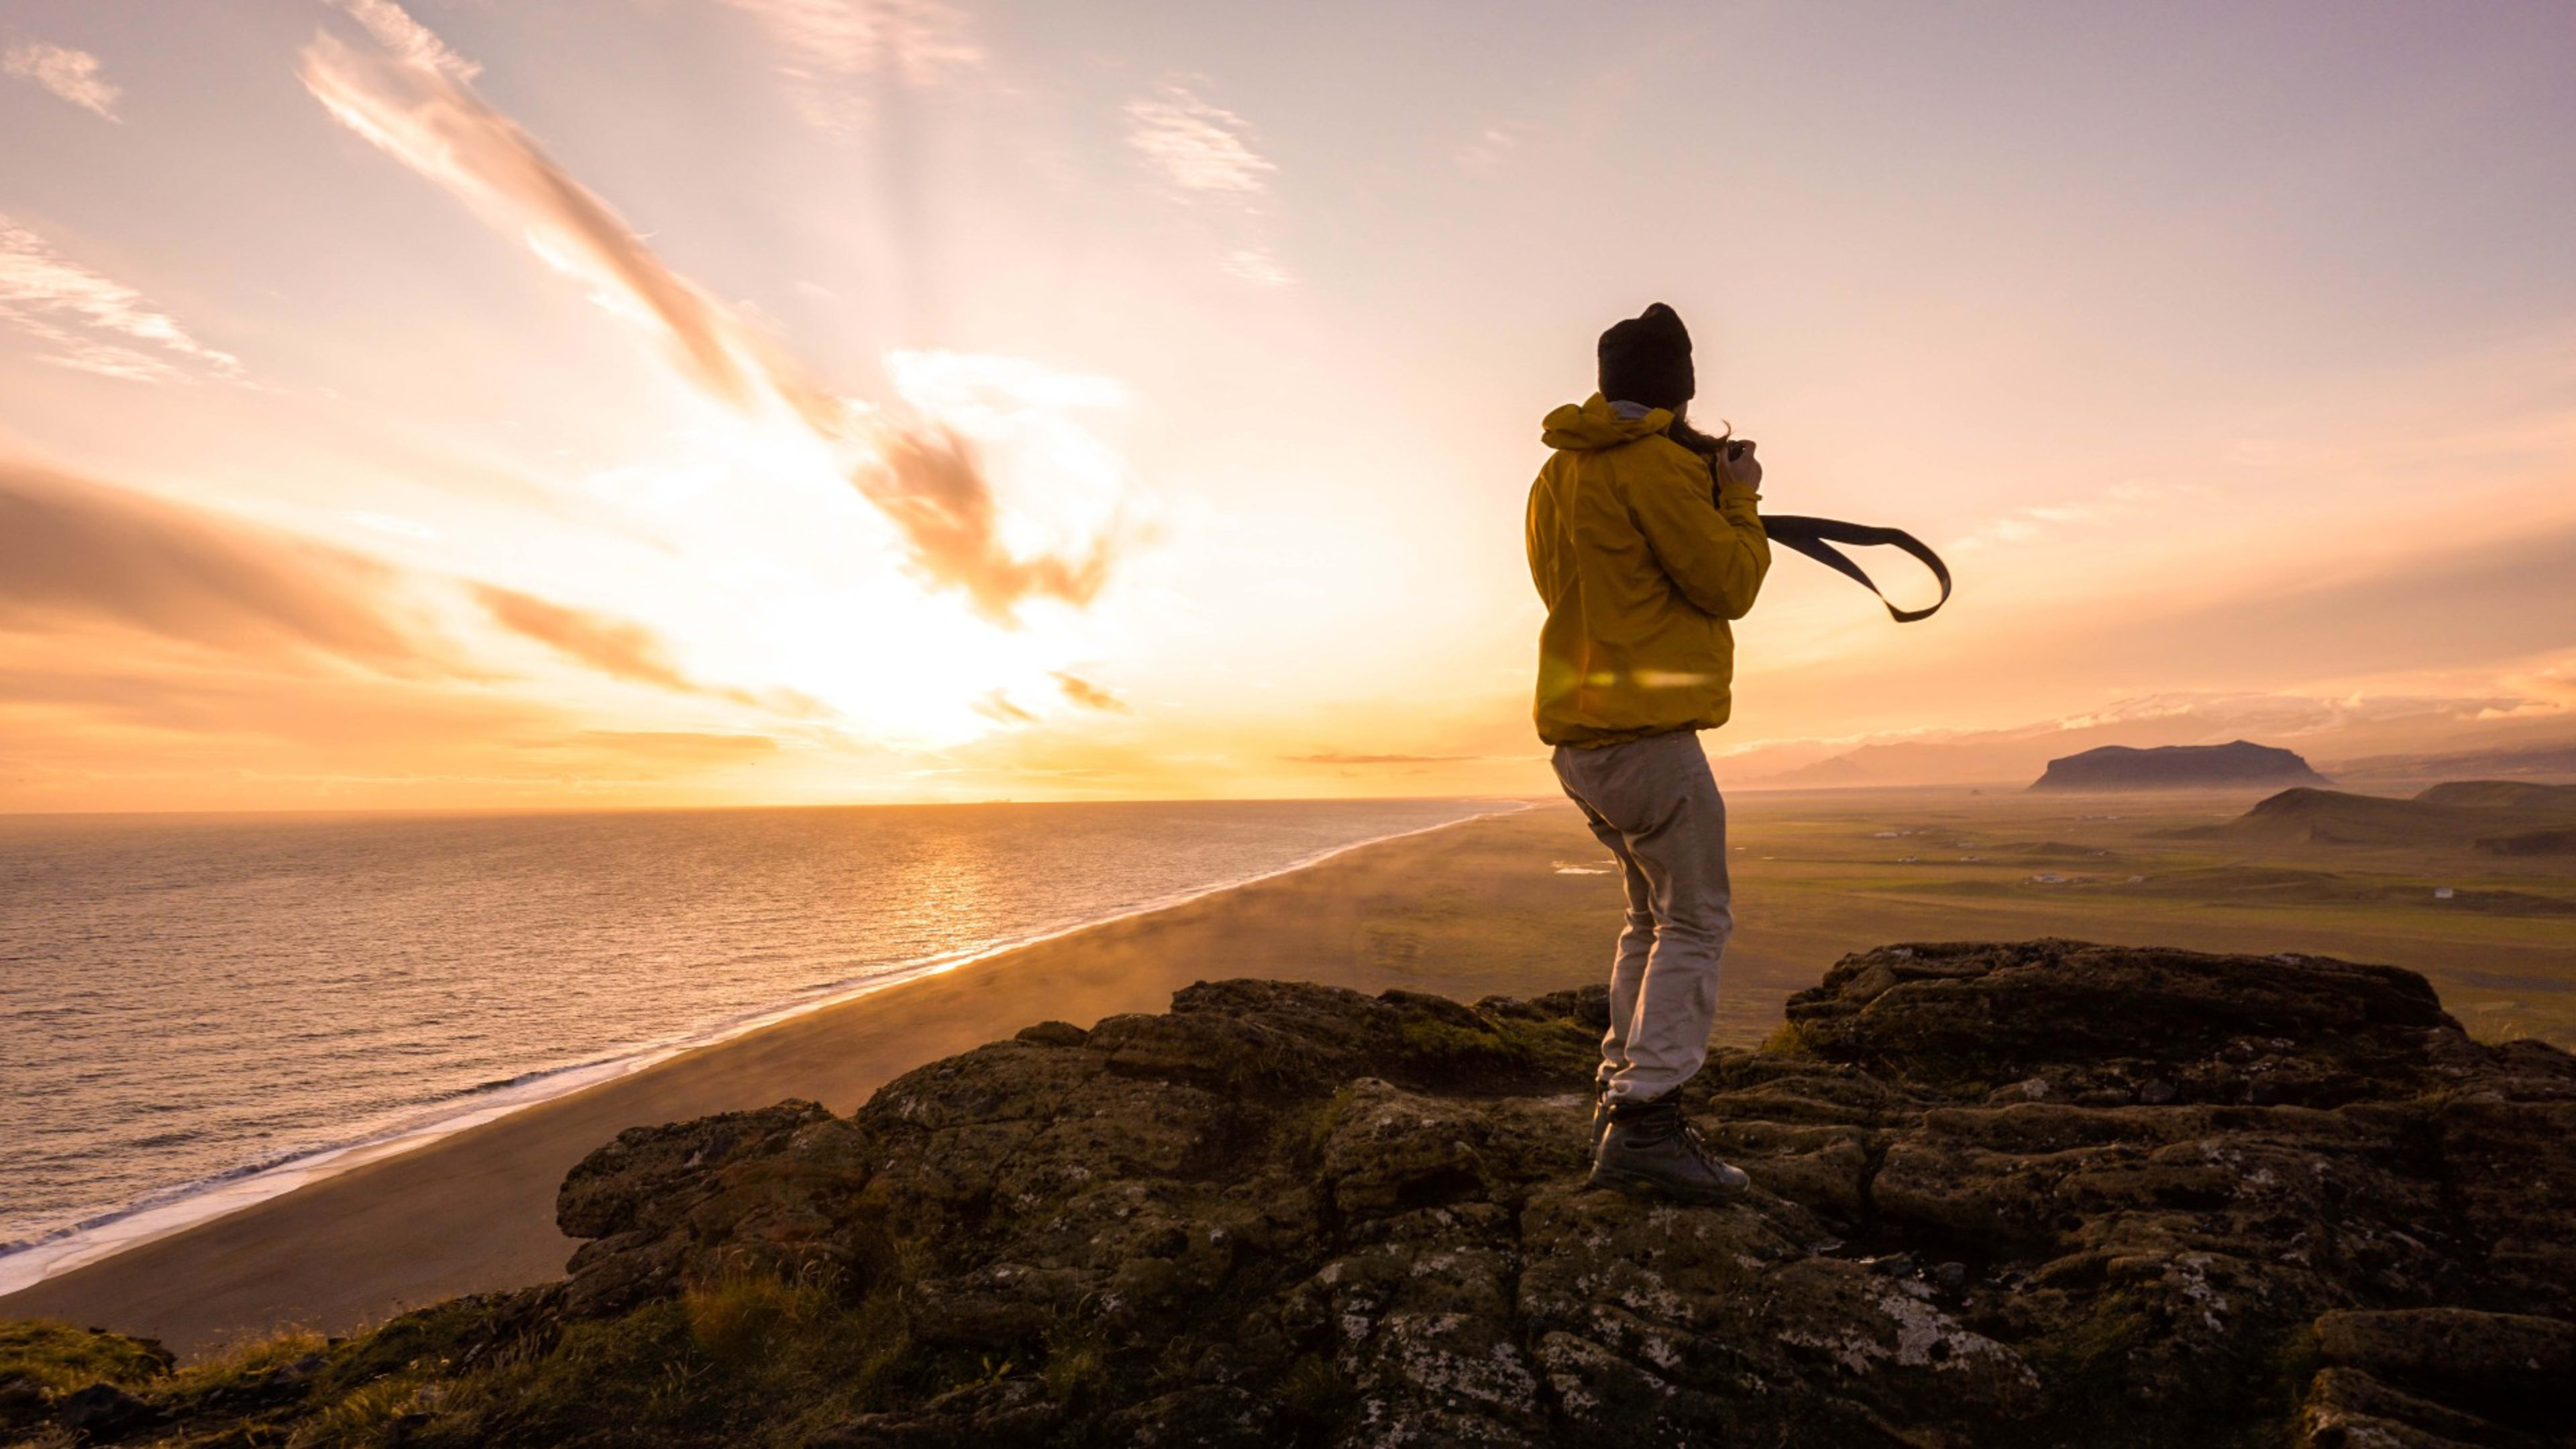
(2177, 767)
(2005, 1195)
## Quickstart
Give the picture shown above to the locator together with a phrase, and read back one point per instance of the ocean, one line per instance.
(198, 1008)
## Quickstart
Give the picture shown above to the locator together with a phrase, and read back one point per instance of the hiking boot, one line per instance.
(1600, 1114)
(1651, 1147)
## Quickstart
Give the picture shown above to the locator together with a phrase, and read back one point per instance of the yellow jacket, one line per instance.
(1641, 558)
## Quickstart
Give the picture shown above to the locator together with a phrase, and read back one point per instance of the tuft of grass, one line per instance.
(249, 1361)
(744, 1315)
(1076, 1370)
(364, 1416)
(1787, 1040)
(59, 1358)
(1313, 1391)
(744, 1358)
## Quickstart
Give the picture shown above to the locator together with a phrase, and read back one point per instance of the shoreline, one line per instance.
(1466, 909)
(178, 1209)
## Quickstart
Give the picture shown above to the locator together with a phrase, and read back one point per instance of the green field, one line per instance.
(1822, 873)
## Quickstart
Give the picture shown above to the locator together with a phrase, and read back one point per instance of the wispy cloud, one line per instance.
(396, 31)
(1338, 757)
(2120, 500)
(1492, 146)
(618, 647)
(415, 103)
(90, 322)
(829, 43)
(1200, 149)
(997, 706)
(1202, 154)
(1091, 696)
(68, 73)
(75, 554)
(1259, 266)
(678, 747)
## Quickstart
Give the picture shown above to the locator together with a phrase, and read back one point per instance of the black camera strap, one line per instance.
(1816, 537)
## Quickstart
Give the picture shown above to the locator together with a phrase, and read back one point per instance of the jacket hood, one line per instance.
(1597, 423)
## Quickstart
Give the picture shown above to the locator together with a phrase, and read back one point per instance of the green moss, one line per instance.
(2089, 1361)
(1503, 1048)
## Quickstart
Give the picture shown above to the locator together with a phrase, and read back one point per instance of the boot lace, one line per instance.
(1698, 1146)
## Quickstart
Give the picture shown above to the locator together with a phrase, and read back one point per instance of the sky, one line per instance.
(460, 404)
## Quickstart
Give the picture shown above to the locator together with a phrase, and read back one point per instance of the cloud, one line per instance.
(829, 41)
(1203, 155)
(76, 733)
(1337, 757)
(928, 482)
(1091, 696)
(676, 746)
(997, 706)
(621, 648)
(1492, 146)
(1199, 148)
(617, 647)
(416, 105)
(68, 73)
(1258, 266)
(94, 324)
(74, 553)
(395, 30)
(2118, 501)
(2446, 611)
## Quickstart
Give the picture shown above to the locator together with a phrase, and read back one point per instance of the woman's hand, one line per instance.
(1736, 461)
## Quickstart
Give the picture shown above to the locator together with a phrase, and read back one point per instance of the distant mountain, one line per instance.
(2500, 817)
(2502, 795)
(2389, 741)
(2177, 767)
(2554, 759)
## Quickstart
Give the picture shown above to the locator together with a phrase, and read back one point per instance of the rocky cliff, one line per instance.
(2034, 1194)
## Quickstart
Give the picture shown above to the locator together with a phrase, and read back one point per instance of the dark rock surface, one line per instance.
(2177, 767)
(2033, 1194)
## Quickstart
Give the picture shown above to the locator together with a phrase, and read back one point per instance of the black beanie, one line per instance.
(1647, 359)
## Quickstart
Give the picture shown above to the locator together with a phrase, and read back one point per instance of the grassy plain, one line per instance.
(1821, 873)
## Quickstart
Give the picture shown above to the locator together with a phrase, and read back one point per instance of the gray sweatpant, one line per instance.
(1655, 804)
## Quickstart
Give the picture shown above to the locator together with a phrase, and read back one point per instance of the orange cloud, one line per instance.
(1091, 696)
(79, 553)
(613, 646)
(1337, 757)
(686, 747)
(998, 706)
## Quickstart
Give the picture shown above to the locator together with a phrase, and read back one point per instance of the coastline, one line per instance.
(186, 1206)
(474, 1211)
